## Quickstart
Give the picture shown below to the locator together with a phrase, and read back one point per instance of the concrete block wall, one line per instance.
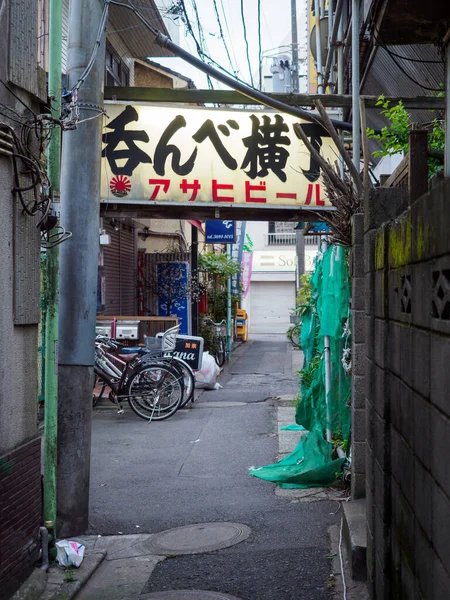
(358, 479)
(407, 324)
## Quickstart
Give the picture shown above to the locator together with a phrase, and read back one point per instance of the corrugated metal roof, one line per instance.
(135, 35)
(385, 76)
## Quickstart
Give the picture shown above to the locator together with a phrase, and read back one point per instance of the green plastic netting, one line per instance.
(311, 464)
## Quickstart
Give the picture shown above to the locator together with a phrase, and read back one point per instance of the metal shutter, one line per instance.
(120, 271)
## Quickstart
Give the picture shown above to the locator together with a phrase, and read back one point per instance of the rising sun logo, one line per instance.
(120, 186)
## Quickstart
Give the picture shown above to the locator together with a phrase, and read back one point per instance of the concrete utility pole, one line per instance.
(80, 207)
(295, 74)
(51, 323)
(194, 274)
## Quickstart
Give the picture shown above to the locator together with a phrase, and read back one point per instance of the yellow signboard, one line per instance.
(155, 154)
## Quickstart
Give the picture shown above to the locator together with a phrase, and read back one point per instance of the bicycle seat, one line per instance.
(132, 350)
(128, 357)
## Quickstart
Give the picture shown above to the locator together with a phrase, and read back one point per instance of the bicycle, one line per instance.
(293, 335)
(146, 355)
(153, 388)
(220, 353)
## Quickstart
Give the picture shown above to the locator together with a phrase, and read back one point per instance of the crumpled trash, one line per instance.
(292, 427)
(206, 378)
(69, 553)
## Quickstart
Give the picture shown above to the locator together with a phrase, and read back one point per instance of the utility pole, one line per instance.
(295, 74)
(194, 275)
(80, 208)
(356, 121)
(52, 262)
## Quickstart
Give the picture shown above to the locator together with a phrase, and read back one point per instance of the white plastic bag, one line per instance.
(206, 378)
(69, 553)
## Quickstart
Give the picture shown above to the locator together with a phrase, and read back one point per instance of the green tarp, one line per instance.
(311, 464)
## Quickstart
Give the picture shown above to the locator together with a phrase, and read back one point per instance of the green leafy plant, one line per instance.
(307, 375)
(219, 266)
(305, 291)
(395, 138)
(69, 575)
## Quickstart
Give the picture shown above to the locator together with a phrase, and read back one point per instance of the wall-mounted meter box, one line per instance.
(104, 328)
(127, 330)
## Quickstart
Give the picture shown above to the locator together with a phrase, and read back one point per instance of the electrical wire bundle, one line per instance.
(34, 195)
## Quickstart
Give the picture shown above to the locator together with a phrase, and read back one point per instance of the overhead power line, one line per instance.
(259, 47)
(162, 40)
(244, 27)
(229, 36)
(222, 36)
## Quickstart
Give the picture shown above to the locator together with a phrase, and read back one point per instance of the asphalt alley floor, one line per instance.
(193, 469)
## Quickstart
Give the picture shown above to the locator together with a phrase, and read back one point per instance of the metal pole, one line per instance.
(447, 112)
(355, 85)
(229, 317)
(80, 209)
(340, 52)
(334, 26)
(327, 359)
(340, 77)
(330, 51)
(318, 48)
(295, 77)
(194, 272)
(52, 262)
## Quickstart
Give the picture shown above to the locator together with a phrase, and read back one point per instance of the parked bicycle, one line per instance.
(151, 383)
(293, 335)
(220, 350)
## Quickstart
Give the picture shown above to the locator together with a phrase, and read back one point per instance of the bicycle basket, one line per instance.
(221, 330)
(153, 344)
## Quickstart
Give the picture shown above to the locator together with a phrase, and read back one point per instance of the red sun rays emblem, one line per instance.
(120, 186)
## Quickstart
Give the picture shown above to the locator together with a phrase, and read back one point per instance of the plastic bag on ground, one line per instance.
(206, 378)
(69, 553)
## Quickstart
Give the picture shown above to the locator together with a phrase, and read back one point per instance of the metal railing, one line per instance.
(289, 239)
(281, 239)
(312, 240)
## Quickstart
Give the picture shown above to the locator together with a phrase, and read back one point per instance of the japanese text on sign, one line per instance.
(180, 154)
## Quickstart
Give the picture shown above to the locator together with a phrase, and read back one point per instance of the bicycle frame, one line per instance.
(116, 378)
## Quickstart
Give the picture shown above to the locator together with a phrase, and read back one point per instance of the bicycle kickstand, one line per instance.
(120, 410)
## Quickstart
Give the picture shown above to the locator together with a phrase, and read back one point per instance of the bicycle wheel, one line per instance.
(188, 381)
(220, 354)
(183, 369)
(294, 336)
(155, 392)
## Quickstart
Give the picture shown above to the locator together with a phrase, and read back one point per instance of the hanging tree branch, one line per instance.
(340, 146)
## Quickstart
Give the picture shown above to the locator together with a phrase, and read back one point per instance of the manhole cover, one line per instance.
(194, 539)
(186, 594)
(220, 404)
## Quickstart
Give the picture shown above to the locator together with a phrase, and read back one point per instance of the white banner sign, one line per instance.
(199, 155)
(278, 260)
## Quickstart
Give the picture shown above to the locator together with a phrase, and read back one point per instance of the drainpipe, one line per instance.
(229, 318)
(51, 323)
(320, 89)
(355, 85)
(327, 359)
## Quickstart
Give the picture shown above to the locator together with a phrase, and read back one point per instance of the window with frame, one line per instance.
(116, 72)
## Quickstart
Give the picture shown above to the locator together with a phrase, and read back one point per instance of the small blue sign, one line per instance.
(220, 232)
(319, 227)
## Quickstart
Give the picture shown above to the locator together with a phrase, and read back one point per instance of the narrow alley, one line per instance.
(193, 469)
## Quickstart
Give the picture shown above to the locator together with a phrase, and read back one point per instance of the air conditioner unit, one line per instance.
(127, 330)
